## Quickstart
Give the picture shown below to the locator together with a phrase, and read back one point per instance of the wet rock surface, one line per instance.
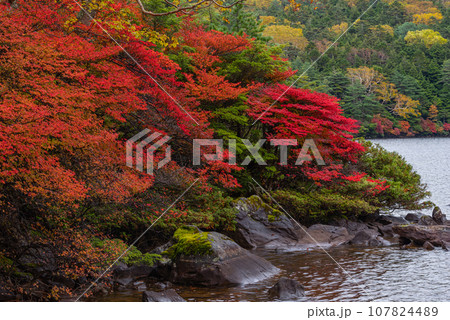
(286, 289)
(326, 236)
(225, 264)
(412, 217)
(438, 216)
(419, 234)
(169, 295)
(260, 226)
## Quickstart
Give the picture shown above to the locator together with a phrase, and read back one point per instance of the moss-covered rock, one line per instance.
(255, 203)
(134, 257)
(189, 241)
(210, 259)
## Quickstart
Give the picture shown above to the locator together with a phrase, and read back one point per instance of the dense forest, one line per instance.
(77, 79)
(390, 70)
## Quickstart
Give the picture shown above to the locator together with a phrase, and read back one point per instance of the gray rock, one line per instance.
(367, 237)
(325, 236)
(386, 231)
(260, 226)
(436, 235)
(426, 221)
(226, 264)
(353, 227)
(139, 285)
(124, 275)
(164, 296)
(286, 289)
(123, 282)
(438, 216)
(412, 217)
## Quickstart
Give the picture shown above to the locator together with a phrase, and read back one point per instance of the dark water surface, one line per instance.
(371, 274)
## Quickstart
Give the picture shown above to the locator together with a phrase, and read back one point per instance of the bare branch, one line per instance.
(201, 4)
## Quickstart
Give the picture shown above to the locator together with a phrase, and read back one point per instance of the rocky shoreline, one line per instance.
(200, 258)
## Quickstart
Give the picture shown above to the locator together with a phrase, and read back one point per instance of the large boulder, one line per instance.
(369, 233)
(212, 259)
(325, 236)
(412, 217)
(426, 221)
(124, 275)
(436, 235)
(286, 289)
(260, 226)
(353, 227)
(438, 216)
(368, 237)
(164, 296)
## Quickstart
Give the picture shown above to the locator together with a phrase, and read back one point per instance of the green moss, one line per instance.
(189, 242)
(271, 218)
(132, 257)
(254, 203)
(136, 257)
(257, 203)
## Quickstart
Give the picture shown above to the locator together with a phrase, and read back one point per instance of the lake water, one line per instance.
(372, 274)
(430, 157)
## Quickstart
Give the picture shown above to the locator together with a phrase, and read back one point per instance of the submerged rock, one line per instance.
(124, 275)
(164, 296)
(213, 259)
(286, 289)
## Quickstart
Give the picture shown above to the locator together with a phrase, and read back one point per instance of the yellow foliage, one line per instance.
(339, 28)
(286, 35)
(418, 6)
(267, 20)
(385, 91)
(405, 106)
(433, 112)
(366, 76)
(351, 3)
(427, 37)
(384, 28)
(375, 82)
(427, 18)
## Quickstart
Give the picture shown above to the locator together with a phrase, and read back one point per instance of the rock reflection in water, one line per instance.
(377, 274)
